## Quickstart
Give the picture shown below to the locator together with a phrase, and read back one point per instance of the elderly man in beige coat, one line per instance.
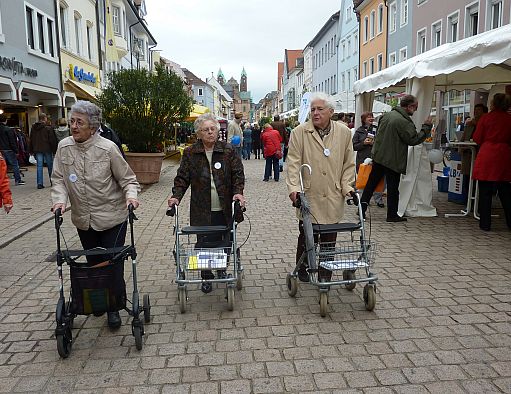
(327, 147)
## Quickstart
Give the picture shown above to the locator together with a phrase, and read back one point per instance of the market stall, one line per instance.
(481, 62)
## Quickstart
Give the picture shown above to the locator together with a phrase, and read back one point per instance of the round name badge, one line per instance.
(73, 178)
(218, 165)
(326, 152)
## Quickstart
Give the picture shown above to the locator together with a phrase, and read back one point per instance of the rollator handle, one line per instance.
(58, 218)
(237, 206)
(354, 199)
(298, 201)
(131, 213)
(171, 211)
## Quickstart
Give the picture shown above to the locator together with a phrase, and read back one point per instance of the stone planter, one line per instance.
(146, 166)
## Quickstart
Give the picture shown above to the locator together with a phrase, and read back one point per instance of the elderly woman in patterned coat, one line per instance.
(215, 173)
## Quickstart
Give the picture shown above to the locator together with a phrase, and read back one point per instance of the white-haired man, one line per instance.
(326, 146)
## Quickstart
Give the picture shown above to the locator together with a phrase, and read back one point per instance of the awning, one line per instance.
(197, 111)
(82, 91)
(7, 89)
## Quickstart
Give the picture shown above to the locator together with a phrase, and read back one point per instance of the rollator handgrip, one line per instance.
(298, 202)
(354, 199)
(171, 211)
(131, 213)
(238, 207)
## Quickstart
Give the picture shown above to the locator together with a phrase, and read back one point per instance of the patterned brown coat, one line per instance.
(194, 171)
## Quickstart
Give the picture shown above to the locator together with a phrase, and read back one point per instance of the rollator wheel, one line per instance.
(239, 281)
(137, 333)
(64, 343)
(369, 297)
(147, 308)
(323, 303)
(71, 319)
(181, 296)
(292, 285)
(230, 298)
(349, 275)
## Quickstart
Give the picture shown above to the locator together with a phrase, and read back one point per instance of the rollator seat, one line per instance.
(204, 229)
(334, 228)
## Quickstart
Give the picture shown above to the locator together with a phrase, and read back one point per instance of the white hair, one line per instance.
(320, 96)
(204, 118)
(92, 111)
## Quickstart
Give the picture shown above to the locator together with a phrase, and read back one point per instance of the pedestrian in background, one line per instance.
(272, 145)
(43, 145)
(326, 146)
(256, 141)
(492, 166)
(280, 126)
(62, 130)
(234, 129)
(247, 141)
(5, 191)
(396, 131)
(9, 148)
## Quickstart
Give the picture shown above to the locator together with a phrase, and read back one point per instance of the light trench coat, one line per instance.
(333, 169)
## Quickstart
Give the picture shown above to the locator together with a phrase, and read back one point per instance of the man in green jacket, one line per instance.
(396, 131)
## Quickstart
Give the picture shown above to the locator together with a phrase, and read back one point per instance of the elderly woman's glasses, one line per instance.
(79, 123)
(206, 129)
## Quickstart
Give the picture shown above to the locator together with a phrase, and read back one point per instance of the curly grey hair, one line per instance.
(92, 111)
(329, 100)
(204, 118)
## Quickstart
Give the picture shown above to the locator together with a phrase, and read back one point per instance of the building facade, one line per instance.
(293, 68)
(400, 43)
(241, 96)
(202, 93)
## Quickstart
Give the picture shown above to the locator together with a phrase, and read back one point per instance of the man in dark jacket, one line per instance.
(396, 131)
(9, 148)
(280, 126)
(43, 145)
(109, 134)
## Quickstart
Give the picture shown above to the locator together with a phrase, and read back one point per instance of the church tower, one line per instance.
(243, 81)
(220, 77)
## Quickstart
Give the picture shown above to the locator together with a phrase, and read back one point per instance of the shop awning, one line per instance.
(197, 111)
(82, 91)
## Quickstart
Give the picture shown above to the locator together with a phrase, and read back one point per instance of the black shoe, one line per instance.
(276, 180)
(265, 180)
(113, 319)
(40, 186)
(221, 274)
(281, 168)
(98, 314)
(303, 275)
(206, 287)
(396, 219)
(381, 205)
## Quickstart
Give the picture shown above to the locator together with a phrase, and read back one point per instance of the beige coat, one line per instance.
(97, 181)
(234, 129)
(332, 176)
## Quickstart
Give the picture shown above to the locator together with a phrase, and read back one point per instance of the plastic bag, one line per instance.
(363, 175)
(32, 160)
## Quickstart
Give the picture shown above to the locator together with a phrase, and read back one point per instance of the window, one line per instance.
(328, 50)
(335, 84)
(116, 21)
(90, 44)
(404, 12)
(2, 36)
(63, 26)
(436, 34)
(373, 23)
(343, 50)
(364, 69)
(348, 78)
(348, 13)
(366, 29)
(349, 47)
(124, 22)
(30, 28)
(51, 43)
(78, 33)
(379, 62)
(200, 92)
(421, 41)
(335, 43)
(380, 18)
(494, 14)
(403, 54)
(472, 19)
(355, 41)
(101, 11)
(355, 74)
(343, 82)
(40, 32)
(453, 27)
(393, 17)
(371, 65)
(392, 58)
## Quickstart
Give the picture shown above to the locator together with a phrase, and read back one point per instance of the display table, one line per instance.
(465, 212)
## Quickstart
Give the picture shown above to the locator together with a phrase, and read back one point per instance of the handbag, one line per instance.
(363, 175)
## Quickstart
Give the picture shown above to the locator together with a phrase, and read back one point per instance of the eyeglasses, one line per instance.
(319, 109)
(79, 123)
(212, 129)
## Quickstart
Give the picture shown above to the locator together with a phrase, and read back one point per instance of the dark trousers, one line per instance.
(272, 161)
(486, 192)
(300, 246)
(213, 240)
(393, 178)
(11, 159)
(257, 151)
(111, 238)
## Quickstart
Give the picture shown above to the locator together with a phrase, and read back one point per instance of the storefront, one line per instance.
(80, 80)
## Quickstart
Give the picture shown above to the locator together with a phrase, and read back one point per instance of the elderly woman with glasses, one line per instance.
(91, 174)
(215, 173)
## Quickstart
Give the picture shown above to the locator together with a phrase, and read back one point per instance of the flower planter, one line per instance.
(146, 166)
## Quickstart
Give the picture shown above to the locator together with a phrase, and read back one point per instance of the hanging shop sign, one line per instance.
(16, 67)
(80, 75)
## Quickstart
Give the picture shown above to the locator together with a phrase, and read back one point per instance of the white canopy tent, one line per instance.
(480, 62)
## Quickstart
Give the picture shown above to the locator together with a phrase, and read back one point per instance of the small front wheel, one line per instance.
(230, 298)
(369, 297)
(64, 343)
(181, 296)
(147, 308)
(323, 303)
(137, 333)
(292, 285)
(349, 275)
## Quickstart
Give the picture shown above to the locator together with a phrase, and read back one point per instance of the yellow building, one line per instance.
(372, 16)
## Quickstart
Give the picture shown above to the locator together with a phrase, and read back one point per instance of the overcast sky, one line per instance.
(203, 35)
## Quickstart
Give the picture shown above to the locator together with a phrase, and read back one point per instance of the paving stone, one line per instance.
(329, 380)
(236, 386)
(267, 385)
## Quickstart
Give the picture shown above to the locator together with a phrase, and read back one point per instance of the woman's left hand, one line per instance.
(133, 201)
(240, 198)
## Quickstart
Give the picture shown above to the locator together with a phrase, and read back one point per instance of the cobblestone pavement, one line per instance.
(442, 321)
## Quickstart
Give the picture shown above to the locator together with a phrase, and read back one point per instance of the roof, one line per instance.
(243, 72)
(213, 82)
(280, 72)
(475, 62)
(220, 73)
(245, 95)
(291, 55)
(192, 78)
(324, 29)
